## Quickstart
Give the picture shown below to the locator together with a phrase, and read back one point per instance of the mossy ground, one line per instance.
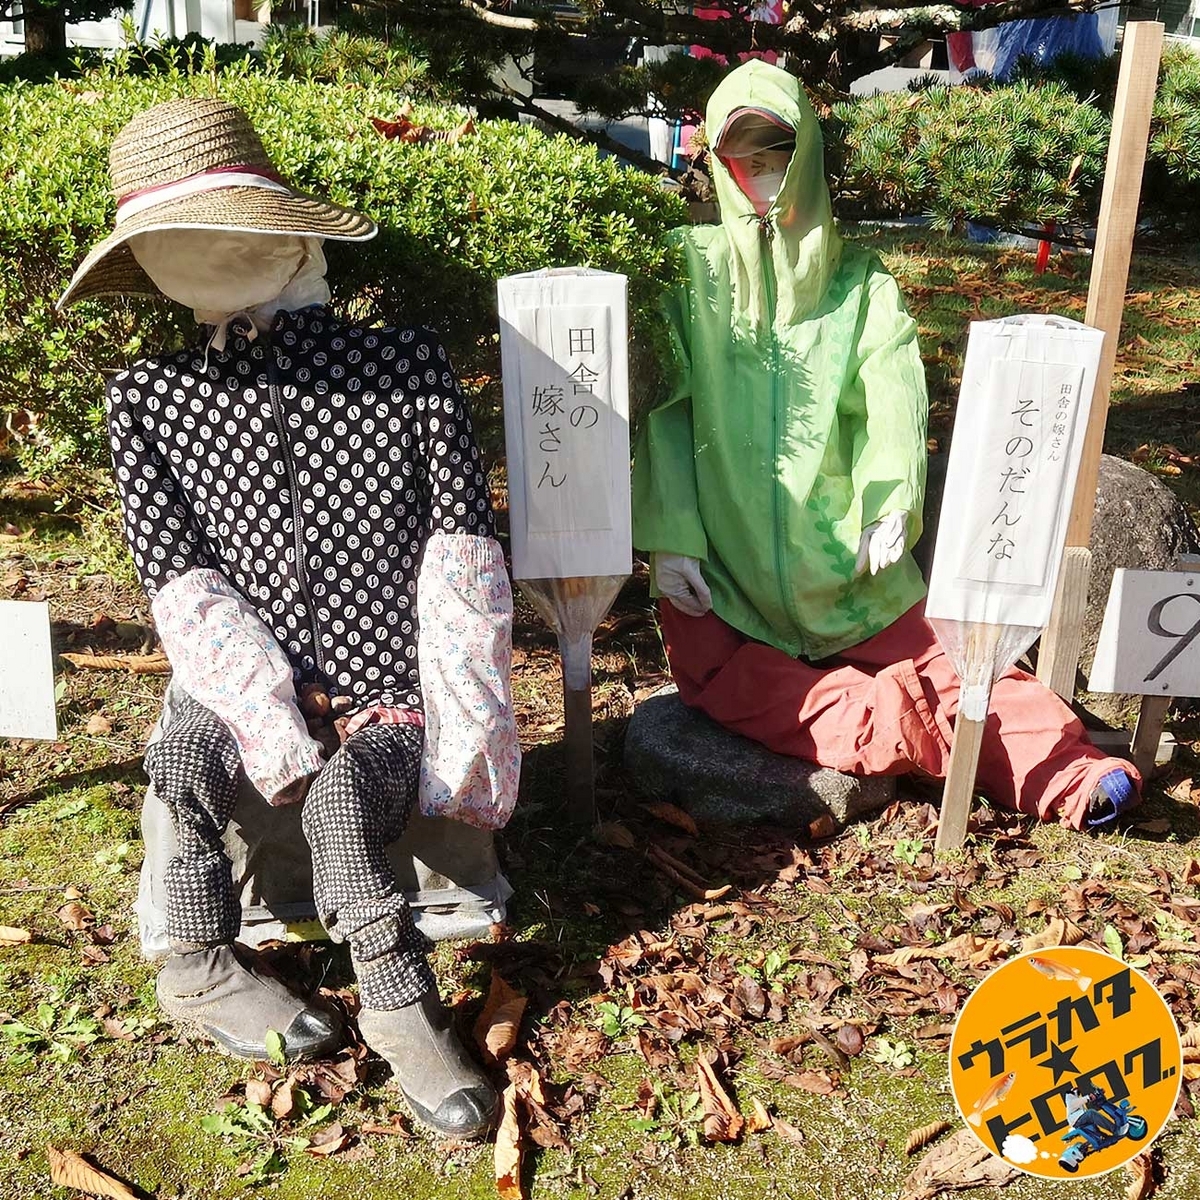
(67, 808)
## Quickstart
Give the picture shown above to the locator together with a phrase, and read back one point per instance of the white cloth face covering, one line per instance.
(761, 190)
(218, 270)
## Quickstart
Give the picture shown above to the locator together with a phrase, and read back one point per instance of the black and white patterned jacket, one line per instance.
(282, 494)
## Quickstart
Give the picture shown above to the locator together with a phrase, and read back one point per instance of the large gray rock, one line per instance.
(677, 753)
(1139, 523)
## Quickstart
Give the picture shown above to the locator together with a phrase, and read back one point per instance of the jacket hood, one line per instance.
(796, 240)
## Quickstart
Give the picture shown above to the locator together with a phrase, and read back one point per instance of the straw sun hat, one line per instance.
(197, 164)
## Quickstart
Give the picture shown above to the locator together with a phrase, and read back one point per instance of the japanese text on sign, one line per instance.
(567, 401)
(1091, 1034)
(1026, 437)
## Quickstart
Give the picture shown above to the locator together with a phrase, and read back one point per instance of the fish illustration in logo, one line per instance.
(995, 1095)
(1056, 970)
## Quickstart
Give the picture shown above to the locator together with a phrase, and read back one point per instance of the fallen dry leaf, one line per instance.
(1191, 1036)
(136, 664)
(508, 1149)
(967, 948)
(67, 1169)
(258, 1091)
(398, 1127)
(328, 1141)
(759, 1119)
(10, 936)
(816, 1082)
(497, 1027)
(1141, 1177)
(959, 1162)
(613, 833)
(98, 726)
(1056, 933)
(925, 1135)
(722, 1121)
(75, 915)
(283, 1099)
(672, 814)
(849, 1039)
(787, 1131)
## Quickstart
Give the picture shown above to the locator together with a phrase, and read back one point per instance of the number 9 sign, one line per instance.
(1150, 639)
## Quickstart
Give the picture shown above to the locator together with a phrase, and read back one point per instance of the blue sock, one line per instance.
(1113, 794)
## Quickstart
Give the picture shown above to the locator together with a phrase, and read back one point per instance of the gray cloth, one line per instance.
(449, 872)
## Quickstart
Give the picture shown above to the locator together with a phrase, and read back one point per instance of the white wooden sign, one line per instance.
(1018, 436)
(1150, 640)
(26, 671)
(564, 350)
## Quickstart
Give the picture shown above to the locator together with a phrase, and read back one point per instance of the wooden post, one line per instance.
(1143, 751)
(1140, 51)
(577, 751)
(975, 696)
(960, 783)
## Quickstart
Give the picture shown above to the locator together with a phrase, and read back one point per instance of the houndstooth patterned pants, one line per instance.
(357, 805)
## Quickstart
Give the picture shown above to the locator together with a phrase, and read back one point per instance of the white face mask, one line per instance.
(218, 271)
(761, 190)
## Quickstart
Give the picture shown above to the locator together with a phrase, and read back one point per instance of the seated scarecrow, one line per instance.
(307, 510)
(779, 489)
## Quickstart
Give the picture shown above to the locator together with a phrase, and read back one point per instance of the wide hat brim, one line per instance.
(110, 268)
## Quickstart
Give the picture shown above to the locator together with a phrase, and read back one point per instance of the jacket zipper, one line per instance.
(290, 470)
(776, 518)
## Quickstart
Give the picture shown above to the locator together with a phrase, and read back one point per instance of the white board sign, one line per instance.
(1150, 640)
(26, 671)
(563, 345)
(1018, 436)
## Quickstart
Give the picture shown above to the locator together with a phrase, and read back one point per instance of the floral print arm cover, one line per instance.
(471, 767)
(225, 657)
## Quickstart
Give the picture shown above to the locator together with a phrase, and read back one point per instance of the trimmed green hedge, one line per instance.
(453, 219)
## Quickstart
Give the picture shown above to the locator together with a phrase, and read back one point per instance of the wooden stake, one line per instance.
(577, 749)
(1143, 751)
(1058, 659)
(975, 693)
(960, 783)
(1140, 54)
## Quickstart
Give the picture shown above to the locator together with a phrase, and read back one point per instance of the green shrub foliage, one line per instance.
(1016, 154)
(509, 198)
(453, 219)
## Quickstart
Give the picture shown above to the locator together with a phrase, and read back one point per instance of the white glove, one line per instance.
(679, 579)
(882, 543)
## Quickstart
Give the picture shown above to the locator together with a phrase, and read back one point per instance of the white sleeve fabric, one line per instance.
(226, 658)
(471, 765)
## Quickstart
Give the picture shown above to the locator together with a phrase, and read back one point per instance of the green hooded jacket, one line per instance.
(798, 412)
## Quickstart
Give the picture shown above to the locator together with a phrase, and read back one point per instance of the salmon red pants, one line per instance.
(887, 707)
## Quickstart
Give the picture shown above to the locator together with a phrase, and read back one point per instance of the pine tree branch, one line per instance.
(483, 12)
(517, 103)
(952, 18)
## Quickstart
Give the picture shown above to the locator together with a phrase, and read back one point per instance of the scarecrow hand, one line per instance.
(882, 543)
(679, 579)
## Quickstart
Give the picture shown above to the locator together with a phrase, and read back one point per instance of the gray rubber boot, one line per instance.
(209, 988)
(444, 1088)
